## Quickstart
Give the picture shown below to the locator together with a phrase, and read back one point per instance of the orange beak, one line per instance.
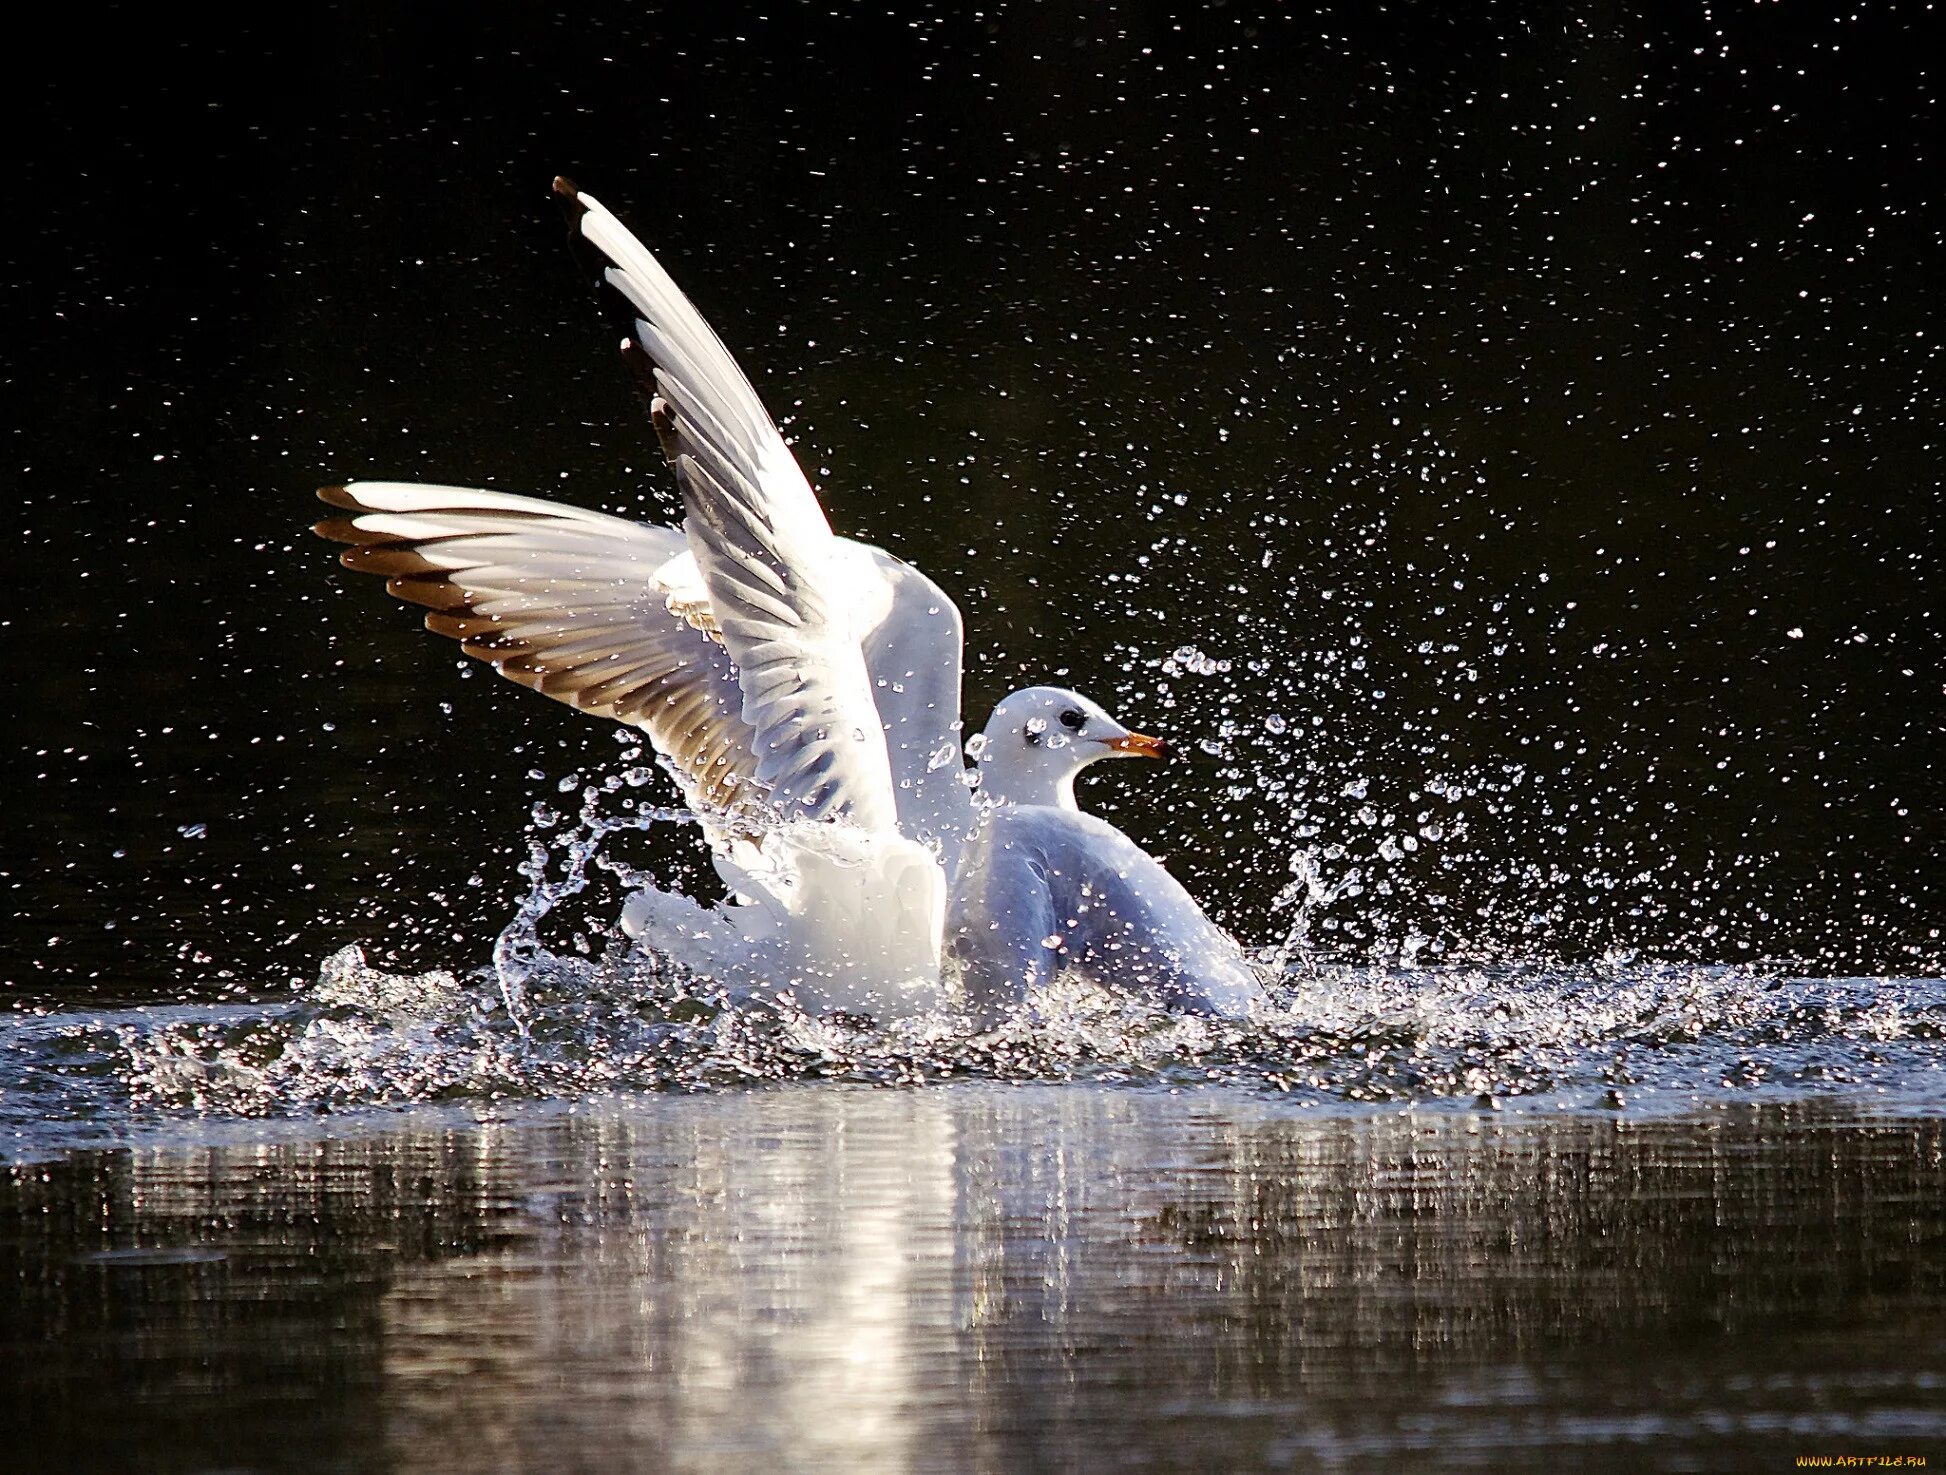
(1138, 745)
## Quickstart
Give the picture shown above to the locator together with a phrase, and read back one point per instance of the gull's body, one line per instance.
(804, 690)
(1044, 888)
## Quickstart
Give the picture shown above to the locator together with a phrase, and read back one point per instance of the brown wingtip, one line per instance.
(341, 529)
(573, 209)
(346, 530)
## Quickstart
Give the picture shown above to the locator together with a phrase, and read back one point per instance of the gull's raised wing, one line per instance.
(592, 610)
(787, 601)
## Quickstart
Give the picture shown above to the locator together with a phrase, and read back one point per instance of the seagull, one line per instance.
(803, 690)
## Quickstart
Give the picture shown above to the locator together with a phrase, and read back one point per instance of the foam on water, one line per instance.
(1637, 1039)
(591, 1015)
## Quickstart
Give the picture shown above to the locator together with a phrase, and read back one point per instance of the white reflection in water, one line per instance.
(738, 1279)
(999, 1277)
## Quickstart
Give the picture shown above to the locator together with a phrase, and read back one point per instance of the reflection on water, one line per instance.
(988, 1278)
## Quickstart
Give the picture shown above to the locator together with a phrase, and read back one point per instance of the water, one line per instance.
(1624, 1218)
(983, 1277)
(1499, 446)
(1628, 1040)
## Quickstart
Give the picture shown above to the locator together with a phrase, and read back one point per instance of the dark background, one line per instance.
(1536, 408)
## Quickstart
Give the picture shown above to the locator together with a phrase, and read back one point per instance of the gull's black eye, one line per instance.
(1074, 719)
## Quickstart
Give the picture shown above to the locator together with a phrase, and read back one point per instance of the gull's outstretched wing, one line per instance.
(788, 600)
(596, 611)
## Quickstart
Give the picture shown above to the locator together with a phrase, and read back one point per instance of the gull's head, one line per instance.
(1038, 739)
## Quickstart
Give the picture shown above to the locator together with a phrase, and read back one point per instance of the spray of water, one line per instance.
(591, 1014)
(557, 868)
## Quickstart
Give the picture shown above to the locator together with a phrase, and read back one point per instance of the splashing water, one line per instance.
(536, 1023)
(1337, 1031)
(1611, 1038)
(517, 950)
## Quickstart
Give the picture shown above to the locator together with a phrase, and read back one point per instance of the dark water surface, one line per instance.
(983, 1278)
(1500, 441)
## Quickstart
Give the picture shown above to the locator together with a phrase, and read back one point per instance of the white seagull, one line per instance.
(804, 690)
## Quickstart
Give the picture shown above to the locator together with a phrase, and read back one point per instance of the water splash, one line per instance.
(1618, 1037)
(1338, 1030)
(517, 950)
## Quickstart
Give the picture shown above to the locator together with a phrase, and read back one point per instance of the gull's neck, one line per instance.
(1042, 784)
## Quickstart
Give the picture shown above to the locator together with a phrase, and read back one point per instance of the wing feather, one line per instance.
(782, 598)
(577, 605)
